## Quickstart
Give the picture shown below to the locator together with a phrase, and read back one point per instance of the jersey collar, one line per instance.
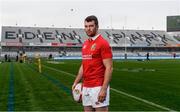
(95, 37)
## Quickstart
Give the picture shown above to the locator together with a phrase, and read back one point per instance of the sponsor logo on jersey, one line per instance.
(86, 56)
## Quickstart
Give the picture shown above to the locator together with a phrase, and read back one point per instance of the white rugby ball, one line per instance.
(77, 92)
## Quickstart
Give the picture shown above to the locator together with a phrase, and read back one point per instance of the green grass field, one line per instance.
(136, 86)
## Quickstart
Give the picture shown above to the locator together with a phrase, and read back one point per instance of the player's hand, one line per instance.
(74, 85)
(102, 95)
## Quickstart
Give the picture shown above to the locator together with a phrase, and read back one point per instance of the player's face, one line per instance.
(90, 28)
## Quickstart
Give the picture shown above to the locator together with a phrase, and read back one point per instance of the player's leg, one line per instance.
(102, 109)
(89, 109)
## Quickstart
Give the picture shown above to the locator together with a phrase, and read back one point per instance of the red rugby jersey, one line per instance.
(93, 53)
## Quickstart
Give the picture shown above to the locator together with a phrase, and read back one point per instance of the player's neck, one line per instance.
(94, 37)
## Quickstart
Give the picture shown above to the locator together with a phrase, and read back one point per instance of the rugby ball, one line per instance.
(77, 92)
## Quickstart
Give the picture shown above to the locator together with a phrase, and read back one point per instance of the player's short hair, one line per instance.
(92, 18)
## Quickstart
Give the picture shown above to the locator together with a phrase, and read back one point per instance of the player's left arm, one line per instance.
(108, 63)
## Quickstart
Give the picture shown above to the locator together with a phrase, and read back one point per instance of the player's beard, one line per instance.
(91, 33)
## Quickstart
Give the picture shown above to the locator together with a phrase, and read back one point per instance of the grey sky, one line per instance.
(132, 14)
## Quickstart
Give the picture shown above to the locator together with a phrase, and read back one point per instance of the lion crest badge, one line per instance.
(93, 47)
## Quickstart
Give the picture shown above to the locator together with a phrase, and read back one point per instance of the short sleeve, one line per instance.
(106, 51)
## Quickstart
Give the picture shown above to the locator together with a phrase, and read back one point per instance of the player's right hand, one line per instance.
(74, 85)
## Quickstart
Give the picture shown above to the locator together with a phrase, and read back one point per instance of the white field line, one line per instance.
(142, 100)
(70, 74)
(120, 92)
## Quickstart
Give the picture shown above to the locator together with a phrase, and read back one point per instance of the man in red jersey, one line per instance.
(96, 68)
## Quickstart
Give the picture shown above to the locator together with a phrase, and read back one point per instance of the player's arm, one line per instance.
(107, 78)
(78, 77)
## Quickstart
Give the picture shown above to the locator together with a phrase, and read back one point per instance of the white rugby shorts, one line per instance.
(90, 97)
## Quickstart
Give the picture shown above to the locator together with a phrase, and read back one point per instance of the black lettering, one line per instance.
(65, 35)
(108, 35)
(48, 35)
(123, 34)
(75, 35)
(10, 35)
(134, 37)
(29, 35)
(139, 34)
(117, 36)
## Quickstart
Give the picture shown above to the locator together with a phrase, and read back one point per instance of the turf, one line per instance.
(157, 81)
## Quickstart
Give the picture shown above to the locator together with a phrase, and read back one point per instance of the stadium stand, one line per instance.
(68, 41)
